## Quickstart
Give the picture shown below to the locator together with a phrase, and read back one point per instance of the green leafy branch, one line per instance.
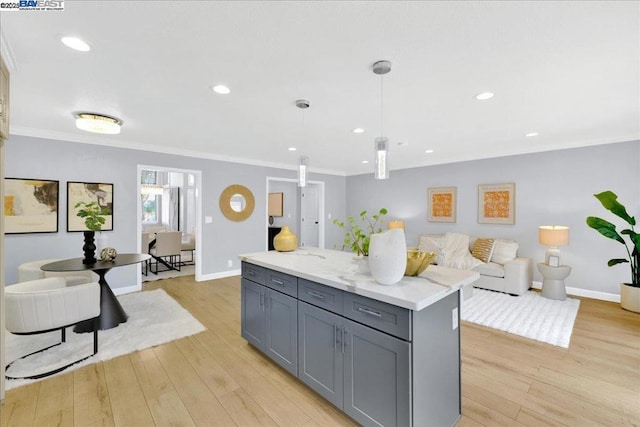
(357, 236)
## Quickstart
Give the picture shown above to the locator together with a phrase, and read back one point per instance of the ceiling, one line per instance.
(566, 70)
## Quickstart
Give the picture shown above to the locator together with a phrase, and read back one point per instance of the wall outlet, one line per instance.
(229, 263)
(208, 220)
(329, 216)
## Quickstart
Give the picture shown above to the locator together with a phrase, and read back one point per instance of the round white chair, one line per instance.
(31, 271)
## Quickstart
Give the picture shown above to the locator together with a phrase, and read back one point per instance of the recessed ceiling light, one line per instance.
(532, 134)
(75, 43)
(98, 123)
(292, 148)
(364, 162)
(428, 151)
(484, 96)
(358, 130)
(221, 89)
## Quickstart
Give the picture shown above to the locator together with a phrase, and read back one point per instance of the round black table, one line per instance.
(111, 312)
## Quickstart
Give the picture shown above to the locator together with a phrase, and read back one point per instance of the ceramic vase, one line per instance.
(630, 297)
(388, 256)
(89, 248)
(362, 263)
(285, 241)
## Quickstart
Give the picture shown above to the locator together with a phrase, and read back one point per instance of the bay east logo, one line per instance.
(32, 5)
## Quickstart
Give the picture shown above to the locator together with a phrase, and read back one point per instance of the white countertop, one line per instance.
(340, 270)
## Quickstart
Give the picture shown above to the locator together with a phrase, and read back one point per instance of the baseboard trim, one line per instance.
(220, 275)
(579, 292)
(126, 290)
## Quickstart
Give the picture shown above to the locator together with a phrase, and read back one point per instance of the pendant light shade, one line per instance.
(382, 150)
(381, 144)
(303, 161)
(302, 171)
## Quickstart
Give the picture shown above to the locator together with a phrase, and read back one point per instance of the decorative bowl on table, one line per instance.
(417, 261)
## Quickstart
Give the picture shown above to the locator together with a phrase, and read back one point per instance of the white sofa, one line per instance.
(504, 271)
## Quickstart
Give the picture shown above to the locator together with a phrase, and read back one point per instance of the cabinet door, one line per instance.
(282, 330)
(320, 358)
(253, 313)
(377, 387)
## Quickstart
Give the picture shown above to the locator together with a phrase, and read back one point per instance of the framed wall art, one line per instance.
(88, 192)
(442, 204)
(30, 206)
(497, 203)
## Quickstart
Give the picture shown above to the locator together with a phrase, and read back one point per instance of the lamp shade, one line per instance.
(553, 235)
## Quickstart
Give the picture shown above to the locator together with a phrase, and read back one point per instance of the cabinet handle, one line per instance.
(262, 301)
(338, 339)
(251, 273)
(278, 281)
(344, 339)
(370, 312)
(315, 294)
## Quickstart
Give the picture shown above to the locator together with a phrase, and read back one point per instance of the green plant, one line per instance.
(610, 202)
(357, 236)
(93, 215)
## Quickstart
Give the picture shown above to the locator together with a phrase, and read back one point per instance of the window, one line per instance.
(150, 197)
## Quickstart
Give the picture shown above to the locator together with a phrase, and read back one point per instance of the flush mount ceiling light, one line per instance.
(484, 96)
(221, 89)
(75, 43)
(98, 123)
(303, 162)
(381, 143)
(358, 130)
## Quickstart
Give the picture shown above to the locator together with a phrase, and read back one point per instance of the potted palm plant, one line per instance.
(629, 292)
(93, 215)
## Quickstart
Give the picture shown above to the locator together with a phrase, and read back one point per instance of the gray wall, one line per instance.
(222, 240)
(553, 187)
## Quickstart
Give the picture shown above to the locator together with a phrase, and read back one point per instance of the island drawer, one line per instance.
(385, 317)
(322, 296)
(282, 282)
(253, 272)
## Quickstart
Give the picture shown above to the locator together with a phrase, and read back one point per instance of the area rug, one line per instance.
(529, 315)
(154, 318)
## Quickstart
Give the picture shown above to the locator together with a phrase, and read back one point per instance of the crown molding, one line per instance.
(133, 145)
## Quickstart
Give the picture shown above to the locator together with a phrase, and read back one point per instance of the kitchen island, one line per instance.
(385, 355)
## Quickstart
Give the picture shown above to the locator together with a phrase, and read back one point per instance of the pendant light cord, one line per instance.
(381, 105)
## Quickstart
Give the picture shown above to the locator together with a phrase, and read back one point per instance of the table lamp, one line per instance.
(553, 236)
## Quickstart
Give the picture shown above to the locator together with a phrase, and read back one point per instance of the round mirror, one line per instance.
(237, 202)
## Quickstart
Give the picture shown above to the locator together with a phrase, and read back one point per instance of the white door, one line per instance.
(309, 216)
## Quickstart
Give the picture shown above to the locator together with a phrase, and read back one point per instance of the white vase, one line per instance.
(630, 297)
(388, 256)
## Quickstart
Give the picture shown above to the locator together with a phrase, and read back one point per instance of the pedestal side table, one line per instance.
(553, 281)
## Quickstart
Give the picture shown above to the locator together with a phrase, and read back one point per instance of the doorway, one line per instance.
(303, 211)
(177, 207)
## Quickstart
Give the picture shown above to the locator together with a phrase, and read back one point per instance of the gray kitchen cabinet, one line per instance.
(270, 322)
(360, 370)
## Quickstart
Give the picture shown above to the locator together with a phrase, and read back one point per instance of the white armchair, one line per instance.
(46, 305)
(31, 271)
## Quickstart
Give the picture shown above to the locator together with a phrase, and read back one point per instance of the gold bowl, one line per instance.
(417, 262)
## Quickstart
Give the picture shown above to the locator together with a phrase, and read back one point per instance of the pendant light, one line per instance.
(303, 161)
(381, 144)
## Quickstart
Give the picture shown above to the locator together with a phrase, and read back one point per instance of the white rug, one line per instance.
(530, 315)
(154, 318)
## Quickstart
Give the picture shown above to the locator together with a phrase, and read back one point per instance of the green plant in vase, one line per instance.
(93, 215)
(629, 292)
(358, 235)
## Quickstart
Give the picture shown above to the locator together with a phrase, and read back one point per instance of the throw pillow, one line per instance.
(430, 243)
(455, 252)
(482, 249)
(503, 252)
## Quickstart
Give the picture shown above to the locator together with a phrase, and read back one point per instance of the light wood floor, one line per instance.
(215, 378)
